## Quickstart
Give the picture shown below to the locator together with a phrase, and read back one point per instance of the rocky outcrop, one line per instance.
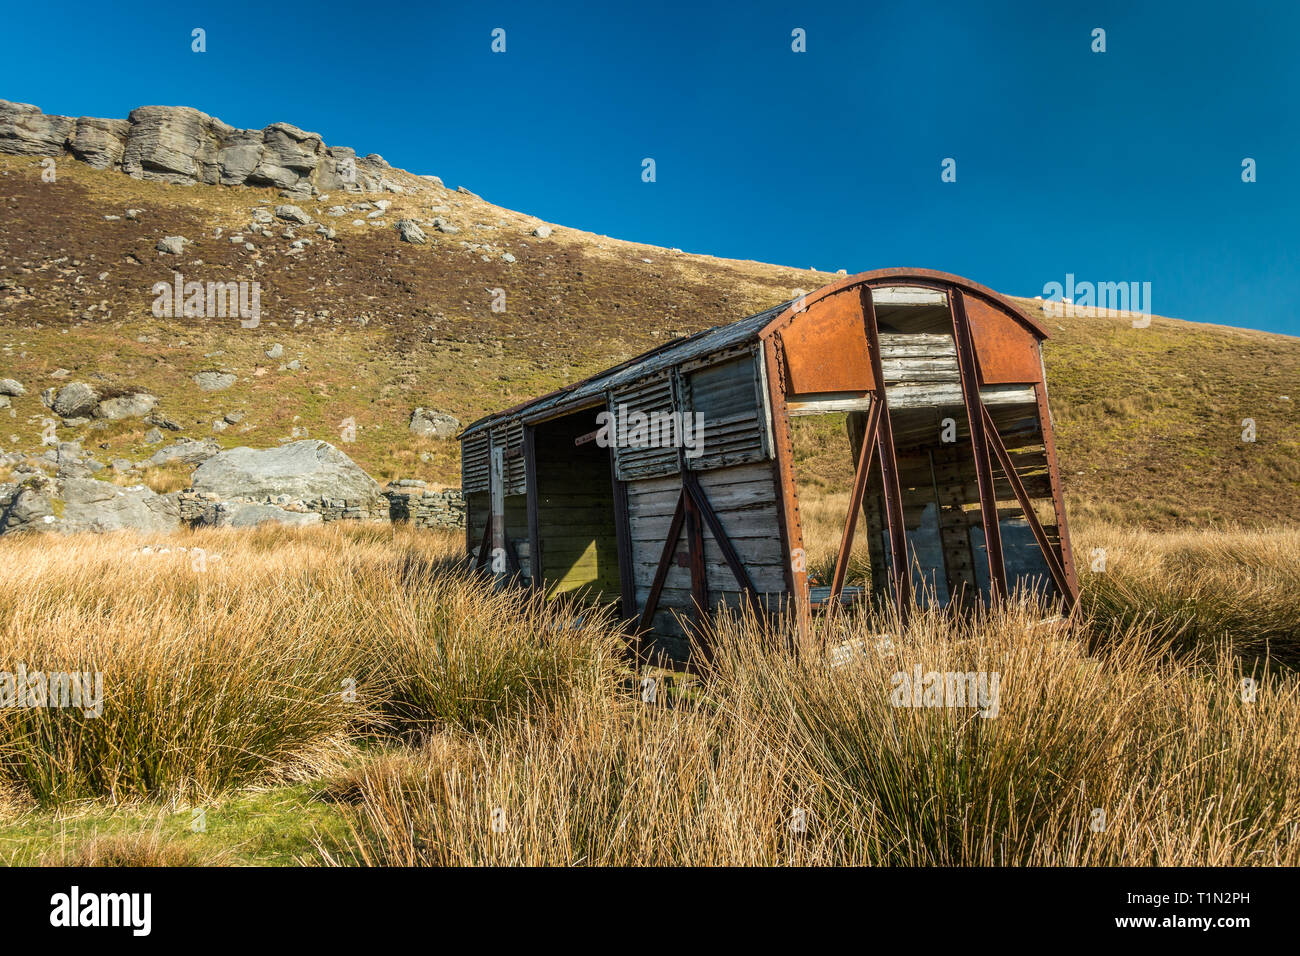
(71, 504)
(178, 144)
(301, 470)
(305, 483)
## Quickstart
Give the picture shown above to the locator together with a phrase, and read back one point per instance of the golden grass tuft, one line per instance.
(491, 727)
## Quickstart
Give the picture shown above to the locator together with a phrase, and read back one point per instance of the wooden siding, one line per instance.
(744, 498)
(735, 424)
(474, 463)
(509, 436)
(476, 505)
(656, 395)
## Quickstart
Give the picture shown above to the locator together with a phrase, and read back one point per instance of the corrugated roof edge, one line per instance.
(647, 363)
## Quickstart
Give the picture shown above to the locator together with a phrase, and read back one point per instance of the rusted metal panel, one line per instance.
(825, 348)
(1006, 350)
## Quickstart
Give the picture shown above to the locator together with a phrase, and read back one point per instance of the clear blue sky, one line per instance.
(1118, 166)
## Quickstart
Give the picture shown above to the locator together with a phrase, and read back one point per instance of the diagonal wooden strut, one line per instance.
(691, 485)
(1004, 459)
(855, 501)
(665, 562)
(485, 545)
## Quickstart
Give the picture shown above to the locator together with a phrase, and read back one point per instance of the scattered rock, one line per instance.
(133, 405)
(172, 245)
(9, 386)
(443, 225)
(410, 232)
(74, 400)
(154, 436)
(189, 452)
(214, 381)
(275, 351)
(292, 214)
(433, 424)
(542, 232)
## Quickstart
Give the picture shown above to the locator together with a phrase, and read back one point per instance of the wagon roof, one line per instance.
(724, 336)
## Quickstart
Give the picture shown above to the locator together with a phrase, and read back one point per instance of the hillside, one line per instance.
(1149, 420)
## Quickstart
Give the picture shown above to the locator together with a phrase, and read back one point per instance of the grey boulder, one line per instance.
(74, 400)
(303, 470)
(214, 381)
(410, 232)
(189, 452)
(428, 423)
(132, 405)
(85, 504)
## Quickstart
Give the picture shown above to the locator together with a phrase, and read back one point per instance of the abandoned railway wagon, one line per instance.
(678, 481)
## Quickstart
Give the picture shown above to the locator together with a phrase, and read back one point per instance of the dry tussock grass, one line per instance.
(1184, 771)
(498, 707)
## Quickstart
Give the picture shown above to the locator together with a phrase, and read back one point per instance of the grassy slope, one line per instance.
(1148, 419)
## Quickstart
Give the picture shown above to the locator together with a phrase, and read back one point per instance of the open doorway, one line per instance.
(577, 536)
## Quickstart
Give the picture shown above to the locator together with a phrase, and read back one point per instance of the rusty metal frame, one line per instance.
(796, 570)
(1026, 504)
(900, 566)
(967, 364)
(1054, 472)
(867, 452)
(959, 292)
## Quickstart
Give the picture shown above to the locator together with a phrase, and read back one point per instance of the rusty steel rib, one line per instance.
(970, 389)
(855, 501)
(899, 570)
(1026, 504)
